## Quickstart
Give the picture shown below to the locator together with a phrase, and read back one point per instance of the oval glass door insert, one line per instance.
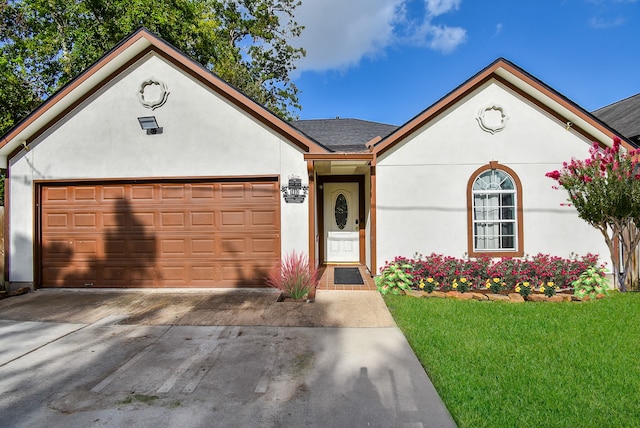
(341, 211)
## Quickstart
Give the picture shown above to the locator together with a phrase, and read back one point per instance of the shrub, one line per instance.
(591, 283)
(293, 276)
(395, 278)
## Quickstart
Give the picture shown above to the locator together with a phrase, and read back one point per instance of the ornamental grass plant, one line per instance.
(293, 276)
(533, 365)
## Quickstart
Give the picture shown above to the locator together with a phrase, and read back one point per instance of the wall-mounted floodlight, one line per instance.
(150, 124)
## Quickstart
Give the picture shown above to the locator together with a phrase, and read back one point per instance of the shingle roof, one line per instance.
(623, 116)
(343, 135)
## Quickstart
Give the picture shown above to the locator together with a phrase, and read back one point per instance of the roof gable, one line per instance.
(527, 86)
(115, 61)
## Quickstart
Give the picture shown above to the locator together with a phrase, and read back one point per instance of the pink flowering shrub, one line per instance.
(605, 191)
(542, 271)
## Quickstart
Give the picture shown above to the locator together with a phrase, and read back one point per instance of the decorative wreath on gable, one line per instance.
(487, 118)
(145, 93)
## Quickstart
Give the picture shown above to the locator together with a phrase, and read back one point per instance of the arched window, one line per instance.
(494, 198)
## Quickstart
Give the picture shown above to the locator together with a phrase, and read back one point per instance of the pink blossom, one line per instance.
(616, 144)
(553, 174)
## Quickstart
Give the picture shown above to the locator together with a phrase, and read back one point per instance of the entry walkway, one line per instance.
(327, 280)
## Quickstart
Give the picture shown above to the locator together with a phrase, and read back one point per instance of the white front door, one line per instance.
(341, 228)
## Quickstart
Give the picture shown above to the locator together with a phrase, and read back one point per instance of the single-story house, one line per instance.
(149, 171)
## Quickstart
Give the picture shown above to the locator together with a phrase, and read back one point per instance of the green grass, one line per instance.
(542, 364)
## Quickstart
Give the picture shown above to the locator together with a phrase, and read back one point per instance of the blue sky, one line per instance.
(387, 60)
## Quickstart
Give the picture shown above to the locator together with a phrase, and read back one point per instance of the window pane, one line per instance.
(341, 211)
(508, 213)
(507, 199)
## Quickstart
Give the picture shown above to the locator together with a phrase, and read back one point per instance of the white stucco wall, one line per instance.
(203, 136)
(422, 182)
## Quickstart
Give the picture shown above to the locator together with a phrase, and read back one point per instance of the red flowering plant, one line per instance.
(605, 190)
(508, 271)
(541, 272)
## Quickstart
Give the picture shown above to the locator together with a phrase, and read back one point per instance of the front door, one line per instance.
(341, 228)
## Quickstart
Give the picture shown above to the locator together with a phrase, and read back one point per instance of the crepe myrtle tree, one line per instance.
(605, 190)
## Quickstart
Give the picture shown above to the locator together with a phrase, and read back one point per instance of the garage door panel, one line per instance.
(85, 220)
(56, 220)
(173, 219)
(232, 219)
(53, 195)
(232, 191)
(264, 218)
(203, 247)
(264, 191)
(178, 234)
(202, 191)
(113, 193)
(203, 219)
(141, 193)
(85, 194)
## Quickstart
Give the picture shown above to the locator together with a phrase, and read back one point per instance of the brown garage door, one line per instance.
(171, 234)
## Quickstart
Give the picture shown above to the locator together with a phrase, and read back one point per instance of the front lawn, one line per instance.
(530, 364)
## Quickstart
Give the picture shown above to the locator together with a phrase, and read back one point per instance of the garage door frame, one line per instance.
(39, 185)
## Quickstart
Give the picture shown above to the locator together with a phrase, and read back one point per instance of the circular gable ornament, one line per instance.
(492, 118)
(153, 93)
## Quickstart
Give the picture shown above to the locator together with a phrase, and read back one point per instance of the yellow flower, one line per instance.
(526, 283)
(550, 284)
(542, 289)
(488, 285)
(463, 280)
(496, 280)
(429, 280)
(455, 285)
(421, 284)
(517, 289)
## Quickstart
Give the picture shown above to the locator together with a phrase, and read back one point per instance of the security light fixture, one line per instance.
(150, 124)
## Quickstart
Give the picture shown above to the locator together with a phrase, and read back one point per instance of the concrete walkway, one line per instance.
(113, 359)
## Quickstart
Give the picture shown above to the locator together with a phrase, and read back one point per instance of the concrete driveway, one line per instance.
(208, 359)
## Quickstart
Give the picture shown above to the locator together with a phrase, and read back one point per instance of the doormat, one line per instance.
(351, 276)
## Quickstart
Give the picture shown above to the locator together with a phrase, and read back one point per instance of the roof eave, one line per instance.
(135, 45)
(503, 70)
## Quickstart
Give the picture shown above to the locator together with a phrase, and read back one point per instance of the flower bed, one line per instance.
(541, 274)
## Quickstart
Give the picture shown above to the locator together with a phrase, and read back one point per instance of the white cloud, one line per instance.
(439, 7)
(446, 39)
(606, 23)
(339, 33)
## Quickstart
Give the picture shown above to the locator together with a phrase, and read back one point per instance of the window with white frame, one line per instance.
(494, 199)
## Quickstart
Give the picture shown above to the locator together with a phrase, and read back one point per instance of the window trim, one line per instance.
(519, 250)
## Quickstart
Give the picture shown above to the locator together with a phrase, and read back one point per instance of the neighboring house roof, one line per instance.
(527, 86)
(122, 56)
(344, 135)
(624, 116)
